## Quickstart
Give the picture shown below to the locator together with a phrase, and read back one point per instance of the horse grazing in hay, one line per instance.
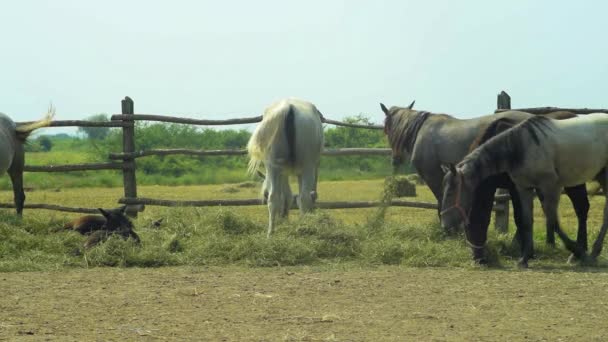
(483, 198)
(432, 140)
(12, 159)
(288, 141)
(539, 153)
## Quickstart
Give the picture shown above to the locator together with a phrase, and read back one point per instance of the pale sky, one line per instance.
(226, 59)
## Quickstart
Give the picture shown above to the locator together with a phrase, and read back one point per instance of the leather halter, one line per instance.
(461, 211)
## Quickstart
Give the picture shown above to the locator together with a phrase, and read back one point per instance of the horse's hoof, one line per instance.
(480, 262)
(588, 260)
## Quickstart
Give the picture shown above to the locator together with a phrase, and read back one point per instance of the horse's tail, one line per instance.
(23, 131)
(290, 132)
(265, 134)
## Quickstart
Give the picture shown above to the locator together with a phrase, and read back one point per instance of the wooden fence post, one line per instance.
(501, 218)
(128, 146)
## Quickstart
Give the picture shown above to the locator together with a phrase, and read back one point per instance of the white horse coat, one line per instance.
(289, 140)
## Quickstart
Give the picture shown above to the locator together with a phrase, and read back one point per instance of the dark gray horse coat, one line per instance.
(431, 140)
(12, 158)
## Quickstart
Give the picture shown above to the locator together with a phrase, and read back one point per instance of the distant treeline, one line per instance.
(94, 145)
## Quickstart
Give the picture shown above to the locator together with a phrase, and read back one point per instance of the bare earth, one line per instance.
(239, 304)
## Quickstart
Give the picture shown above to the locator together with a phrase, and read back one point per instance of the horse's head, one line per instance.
(457, 198)
(116, 220)
(398, 153)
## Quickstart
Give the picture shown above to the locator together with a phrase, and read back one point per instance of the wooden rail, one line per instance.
(74, 167)
(173, 119)
(184, 151)
(52, 207)
(545, 110)
(259, 201)
(84, 123)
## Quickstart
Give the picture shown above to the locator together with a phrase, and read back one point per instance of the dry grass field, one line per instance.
(339, 275)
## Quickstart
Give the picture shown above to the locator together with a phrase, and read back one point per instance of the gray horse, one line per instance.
(12, 159)
(539, 153)
(431, 140)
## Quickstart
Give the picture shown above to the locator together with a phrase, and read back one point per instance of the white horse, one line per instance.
(288, 141)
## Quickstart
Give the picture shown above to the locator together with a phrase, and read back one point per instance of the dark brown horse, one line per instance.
(99, 228)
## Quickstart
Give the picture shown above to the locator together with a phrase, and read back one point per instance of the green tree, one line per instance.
(45, 143)
(96, 133)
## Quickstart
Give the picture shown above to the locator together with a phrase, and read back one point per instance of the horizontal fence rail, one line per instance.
(189, 121)
(546, 110)
(183, 151)
(52, 207)
(259, 201)
(239, 121)
(84, 123)
(74, 167)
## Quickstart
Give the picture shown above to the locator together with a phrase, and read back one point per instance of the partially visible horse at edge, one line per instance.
(288, 141)
(12, 151)
(539, 153)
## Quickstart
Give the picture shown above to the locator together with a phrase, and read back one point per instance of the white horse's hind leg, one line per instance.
(287, 196)
(307, 186)
(275, 197)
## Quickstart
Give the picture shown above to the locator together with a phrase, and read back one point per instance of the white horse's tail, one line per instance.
(24, 131)
(266, 132)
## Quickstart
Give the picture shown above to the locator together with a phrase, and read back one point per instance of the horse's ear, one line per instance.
(449, 167)
(411, 106)
(384, 109)
(123, 209)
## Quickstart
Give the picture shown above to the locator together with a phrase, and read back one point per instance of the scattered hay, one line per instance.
(247, 185)
(230, 189)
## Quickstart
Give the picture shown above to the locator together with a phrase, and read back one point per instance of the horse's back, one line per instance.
(582, 147)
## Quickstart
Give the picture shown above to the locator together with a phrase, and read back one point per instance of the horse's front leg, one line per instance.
(550, 206)
(479, 219)
(580, 202)
(550, 237)
(519, 221)
(526, 197)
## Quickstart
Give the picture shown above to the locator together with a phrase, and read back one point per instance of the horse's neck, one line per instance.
(476, 167)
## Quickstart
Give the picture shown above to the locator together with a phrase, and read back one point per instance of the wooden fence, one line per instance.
(126, 161)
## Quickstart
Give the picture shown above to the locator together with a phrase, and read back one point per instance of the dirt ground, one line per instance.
(303, 304)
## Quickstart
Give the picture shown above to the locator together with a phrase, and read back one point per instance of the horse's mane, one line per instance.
(491, 130)
(510, 145)
(402, 128)
(502, 124)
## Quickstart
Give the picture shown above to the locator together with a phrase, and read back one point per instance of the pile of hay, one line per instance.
(415, 178)
(403, 187)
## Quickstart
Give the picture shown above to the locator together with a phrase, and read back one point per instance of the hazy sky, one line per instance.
(225, 59)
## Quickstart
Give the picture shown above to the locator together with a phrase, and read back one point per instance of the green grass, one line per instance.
(237, 236)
